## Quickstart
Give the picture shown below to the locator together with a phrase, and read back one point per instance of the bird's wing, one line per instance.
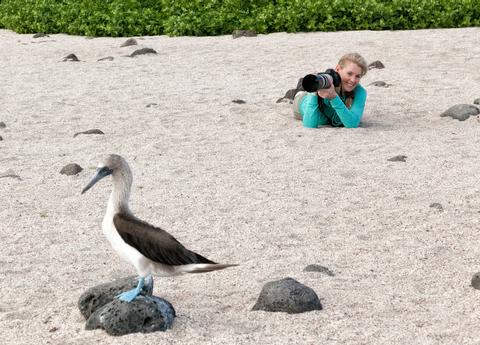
(155, 243)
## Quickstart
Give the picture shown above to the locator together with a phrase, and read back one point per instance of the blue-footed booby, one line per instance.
(149, 249)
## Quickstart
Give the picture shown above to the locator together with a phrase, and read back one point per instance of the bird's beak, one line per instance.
(100, 173)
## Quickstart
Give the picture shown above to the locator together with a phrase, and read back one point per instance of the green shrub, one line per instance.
(83, 17)
(217, 17)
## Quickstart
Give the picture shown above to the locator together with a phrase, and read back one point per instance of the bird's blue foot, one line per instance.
(130, 295)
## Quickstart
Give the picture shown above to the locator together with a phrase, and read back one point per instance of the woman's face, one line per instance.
(350, 74)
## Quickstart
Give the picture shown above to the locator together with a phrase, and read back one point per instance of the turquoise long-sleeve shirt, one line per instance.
(335, 112)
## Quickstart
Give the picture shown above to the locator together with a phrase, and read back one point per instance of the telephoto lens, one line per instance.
(314, 82)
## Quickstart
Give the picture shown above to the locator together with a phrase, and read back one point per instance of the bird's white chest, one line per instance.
(111, 233)
(127, 252)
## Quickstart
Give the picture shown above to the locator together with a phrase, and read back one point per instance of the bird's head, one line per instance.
(111, 165)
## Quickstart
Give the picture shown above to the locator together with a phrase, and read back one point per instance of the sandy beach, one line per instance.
(245, 183)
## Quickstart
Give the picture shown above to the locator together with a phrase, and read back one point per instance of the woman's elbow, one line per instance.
(309, 125)
(352, 124)
(309, 122)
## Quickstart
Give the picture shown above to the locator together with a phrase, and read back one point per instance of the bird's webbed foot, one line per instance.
(130, 295)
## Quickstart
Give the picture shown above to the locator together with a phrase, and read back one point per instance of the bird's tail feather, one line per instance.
(201, 268)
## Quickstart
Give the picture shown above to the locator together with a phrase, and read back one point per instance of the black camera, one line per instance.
(314, 82)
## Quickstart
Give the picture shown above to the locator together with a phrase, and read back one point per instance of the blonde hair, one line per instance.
(355, 58)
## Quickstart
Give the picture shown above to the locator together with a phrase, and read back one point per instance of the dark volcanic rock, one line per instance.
(290, 94)
(319, 268)
(476, 281)
(299, 86)
(71, 169)
(143, 51)
(399, 158)
(71, 57)
(244, 33)
(379, 83)
(476, 101)
(90, 131)
(283, 100)
(10, 173)
(376, 64)
(129, 42)
(287, 295)
(239, 101)
(437, 206)
(144, 314)
(107, 58)
(98, 296)
(461, 112)
(1, 138)
(2, 125)
(40, 34)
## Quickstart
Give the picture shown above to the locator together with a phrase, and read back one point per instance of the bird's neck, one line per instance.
(118, 202)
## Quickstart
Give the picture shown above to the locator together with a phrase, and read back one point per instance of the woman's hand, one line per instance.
(329, 93)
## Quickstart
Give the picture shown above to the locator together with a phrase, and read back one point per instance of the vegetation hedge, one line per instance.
(217, 17)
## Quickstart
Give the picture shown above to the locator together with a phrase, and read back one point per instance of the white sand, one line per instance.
(245, 184)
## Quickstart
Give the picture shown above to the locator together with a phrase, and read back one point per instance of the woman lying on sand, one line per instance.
(335, 106)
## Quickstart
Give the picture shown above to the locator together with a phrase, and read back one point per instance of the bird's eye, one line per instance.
(105, 171)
